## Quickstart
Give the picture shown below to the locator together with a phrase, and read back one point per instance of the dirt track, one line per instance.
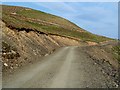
(68, 67)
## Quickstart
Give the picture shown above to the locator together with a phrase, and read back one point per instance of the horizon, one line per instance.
(95, 17)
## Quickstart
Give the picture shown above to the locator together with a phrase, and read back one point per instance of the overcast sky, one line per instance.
(97, 17)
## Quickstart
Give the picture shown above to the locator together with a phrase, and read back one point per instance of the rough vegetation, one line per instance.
(103, 55)
(116, 52)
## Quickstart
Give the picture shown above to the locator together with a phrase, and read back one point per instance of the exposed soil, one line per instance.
(23, 47)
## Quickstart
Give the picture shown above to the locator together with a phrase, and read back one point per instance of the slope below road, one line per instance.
(67, 67)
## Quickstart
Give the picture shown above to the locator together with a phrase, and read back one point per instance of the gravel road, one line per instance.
(67, 67)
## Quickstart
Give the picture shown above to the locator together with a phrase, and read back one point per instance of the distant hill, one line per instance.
(20, 18)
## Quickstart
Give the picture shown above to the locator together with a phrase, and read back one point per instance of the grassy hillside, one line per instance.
(20, 18)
